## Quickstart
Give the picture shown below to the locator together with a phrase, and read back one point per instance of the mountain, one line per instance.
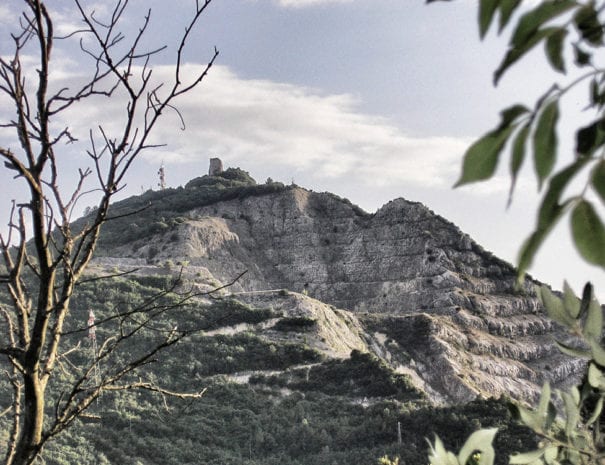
(326, 331)
(415, 290)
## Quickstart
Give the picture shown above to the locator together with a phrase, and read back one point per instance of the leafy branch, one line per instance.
(559, 26)
(574, 435)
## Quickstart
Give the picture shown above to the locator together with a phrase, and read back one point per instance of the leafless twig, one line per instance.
(40, 241)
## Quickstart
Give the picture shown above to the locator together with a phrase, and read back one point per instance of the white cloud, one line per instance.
(6, 17)
(307, 131)
(69, 20)
(254, 122)
(305, 3)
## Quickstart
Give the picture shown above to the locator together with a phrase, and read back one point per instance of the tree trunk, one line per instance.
(30, 439)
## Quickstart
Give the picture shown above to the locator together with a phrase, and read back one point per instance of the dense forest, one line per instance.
(297, 407)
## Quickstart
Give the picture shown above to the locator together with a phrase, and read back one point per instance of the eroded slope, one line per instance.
(422, 295)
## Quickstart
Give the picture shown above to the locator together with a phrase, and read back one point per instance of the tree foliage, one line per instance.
(302, 421)
(573, 186)
(158, 211)
(571, 35)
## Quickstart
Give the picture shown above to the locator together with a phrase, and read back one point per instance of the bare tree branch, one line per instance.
(43, 256)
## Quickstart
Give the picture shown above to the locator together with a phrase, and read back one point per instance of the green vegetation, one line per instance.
(228, 354)
(157, 212)
(236, 424)
(561, 26)
(314, 414)
(359, 212)
(365, 374)
(571, 427)
(231, 177)
(295, 324)
(125, 395)
(228, 312)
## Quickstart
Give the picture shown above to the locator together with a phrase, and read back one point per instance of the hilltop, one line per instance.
(423, 296)
(329, 327)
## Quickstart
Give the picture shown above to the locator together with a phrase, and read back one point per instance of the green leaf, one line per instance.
(597, 412)
(528, 251)
(551, 207)
(533, 20)
(528, 417)
(487, 8)
(481, 159)
(549, 214)
(581, 441)
(585, 139)
(590, 138)
(595, 377)
(572, 412)
(572, 351)
(582, 58)
(597, 97)
(570, 301)
(510, 114)
(594, 92)
(593, 326)
(518, 154)
(587, 21)
(597, 179)
(550, 455)
(555, 308)
(551, 415)
(482, 441)
(598, 354)
(545, 141)
(554, 49)
(573, 456)
(588, 233)
(439, 456)
(575, 394)
(544, 400)
(586, 299)
(514, 53)
(507, 8)
(525, 457)
(517, 157)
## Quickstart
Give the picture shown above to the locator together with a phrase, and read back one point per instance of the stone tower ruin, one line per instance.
(216, 167)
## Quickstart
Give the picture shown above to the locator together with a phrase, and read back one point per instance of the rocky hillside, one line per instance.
(403, 283)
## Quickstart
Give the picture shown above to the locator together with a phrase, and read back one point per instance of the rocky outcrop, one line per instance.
(333, 332)
(422, 294)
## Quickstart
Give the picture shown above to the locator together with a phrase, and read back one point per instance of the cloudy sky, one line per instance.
(369, 99)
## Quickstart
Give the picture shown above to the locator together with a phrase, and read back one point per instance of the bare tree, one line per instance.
(44, 255)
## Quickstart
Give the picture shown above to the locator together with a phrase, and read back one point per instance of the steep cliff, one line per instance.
(419, 293)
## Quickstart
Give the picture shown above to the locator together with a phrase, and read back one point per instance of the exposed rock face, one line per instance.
(331, 331)
(432, 302)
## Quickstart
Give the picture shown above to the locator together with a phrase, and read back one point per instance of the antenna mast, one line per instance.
(92, 335)
(162, 175)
